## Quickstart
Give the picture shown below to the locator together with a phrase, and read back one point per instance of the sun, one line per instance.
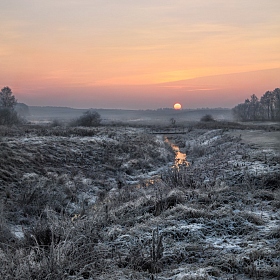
(177, 106)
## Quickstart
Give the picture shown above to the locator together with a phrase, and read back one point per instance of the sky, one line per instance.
(144, 54)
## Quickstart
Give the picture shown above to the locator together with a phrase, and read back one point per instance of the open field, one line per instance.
(147, 117)
(262, 139)
(111, 202)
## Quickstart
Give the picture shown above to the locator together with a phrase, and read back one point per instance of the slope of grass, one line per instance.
(80, 218)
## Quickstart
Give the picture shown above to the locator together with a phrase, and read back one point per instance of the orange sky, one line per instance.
(119, 54)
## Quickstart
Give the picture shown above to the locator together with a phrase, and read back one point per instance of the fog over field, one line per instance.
(162, 115)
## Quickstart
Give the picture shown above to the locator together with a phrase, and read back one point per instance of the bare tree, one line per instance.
(8, 115)
(266, 102)
(277, 103)
(7, 99)
(173, 121)
(254, 103)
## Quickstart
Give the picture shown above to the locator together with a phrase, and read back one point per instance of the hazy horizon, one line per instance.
(139, 55)
(125, 109)
(224, 97)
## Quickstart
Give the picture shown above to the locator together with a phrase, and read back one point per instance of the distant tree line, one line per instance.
(267, 108)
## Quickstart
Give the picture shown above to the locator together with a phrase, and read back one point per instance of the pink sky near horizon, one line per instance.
(139, 55)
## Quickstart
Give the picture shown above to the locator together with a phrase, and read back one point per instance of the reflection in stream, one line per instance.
(180, 158)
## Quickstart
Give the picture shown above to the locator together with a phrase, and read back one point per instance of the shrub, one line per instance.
(207, 118)
(56, 123)
(89, 118)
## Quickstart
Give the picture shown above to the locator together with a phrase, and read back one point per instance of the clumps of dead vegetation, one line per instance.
(80, 207)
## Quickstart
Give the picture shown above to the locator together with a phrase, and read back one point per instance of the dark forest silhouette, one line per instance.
(265, 109)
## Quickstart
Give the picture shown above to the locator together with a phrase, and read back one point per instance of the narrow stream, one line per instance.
(180, 158)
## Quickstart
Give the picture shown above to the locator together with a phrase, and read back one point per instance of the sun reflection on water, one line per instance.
(180, 158)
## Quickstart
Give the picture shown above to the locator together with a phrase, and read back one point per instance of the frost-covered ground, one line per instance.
(107, 203)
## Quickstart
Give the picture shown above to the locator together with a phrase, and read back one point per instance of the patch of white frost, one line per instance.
(17, 231)
(29, 175)
(187, 274)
